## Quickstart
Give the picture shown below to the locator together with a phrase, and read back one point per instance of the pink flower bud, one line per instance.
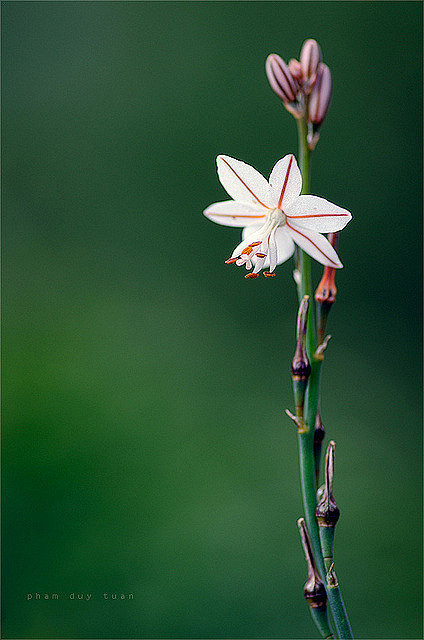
(310, 57)
(320, 95)
(280, 78)
(295, 69)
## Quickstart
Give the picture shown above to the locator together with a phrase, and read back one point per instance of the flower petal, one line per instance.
(315, 244)
(251, 231)
(249, 235)
(261, 260)
(312, 212)
(234, 214)
(285, 245)
(272, 251)
(285, 182)
(242, 182)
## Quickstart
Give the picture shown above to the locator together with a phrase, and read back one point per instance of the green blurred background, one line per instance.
(145, 445)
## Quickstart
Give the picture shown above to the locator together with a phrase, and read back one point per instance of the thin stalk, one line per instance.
(327, 515)
(338, 608)
(305, 287)
(321, 622)
(307, 463)
(307, 477)
(306, 435)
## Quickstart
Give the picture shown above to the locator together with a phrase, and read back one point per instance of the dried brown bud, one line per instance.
(314, 594)
(310, 57)
(319, 434)
(314, 590)
(300, 367)
(327, 512)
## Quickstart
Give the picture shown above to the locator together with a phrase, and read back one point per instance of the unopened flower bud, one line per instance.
(326, 290)
(310, 57)
(327, 512)
(325, 295)
(283, 83)
(319, 103)
(314, 590)
(320, 95)
(295, 69)
(300, 366)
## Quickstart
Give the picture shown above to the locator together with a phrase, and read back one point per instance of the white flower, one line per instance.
(274, 215)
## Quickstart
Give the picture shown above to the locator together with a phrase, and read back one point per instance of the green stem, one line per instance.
(338, 608)
(305, 287)
(320, 617)
(306, 436)
(304, 153)
(307, 463)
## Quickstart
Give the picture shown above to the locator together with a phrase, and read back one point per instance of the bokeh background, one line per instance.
(145, 446)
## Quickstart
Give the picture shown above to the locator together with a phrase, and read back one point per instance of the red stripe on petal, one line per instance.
(317, 215)
(313, 243)
(285, 183)
(229, 215)
(243, 182)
